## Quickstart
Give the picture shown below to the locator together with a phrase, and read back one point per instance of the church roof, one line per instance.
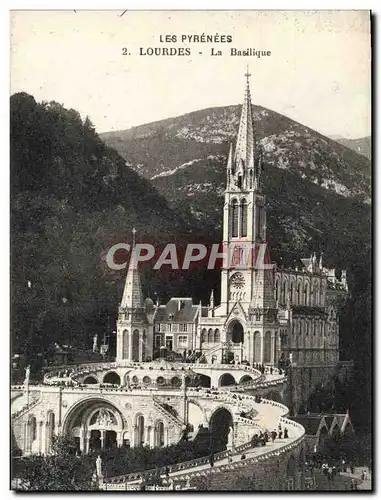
(178, 309)
(132, 294)
(310, 422)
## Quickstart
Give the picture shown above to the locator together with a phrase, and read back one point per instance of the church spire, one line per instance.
(132, 294)
(244, 153)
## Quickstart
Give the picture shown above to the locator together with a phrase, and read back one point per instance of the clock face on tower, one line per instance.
(237, 281)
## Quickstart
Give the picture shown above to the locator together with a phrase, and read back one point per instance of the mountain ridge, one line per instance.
(286, 144)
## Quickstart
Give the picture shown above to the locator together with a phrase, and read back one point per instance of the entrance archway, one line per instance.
(236, 332)
(245, 379)
(90, 380)
(110, 440)
(94, 423)
(204, 380)
(226, 379)
(111, 378)
(220, 426)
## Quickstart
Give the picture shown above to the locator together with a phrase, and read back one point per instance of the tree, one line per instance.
(62, 470)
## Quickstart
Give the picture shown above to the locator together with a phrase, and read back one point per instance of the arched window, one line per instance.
(292, 292)
(140, 430)
(135, 345)
(257, 221)
(284, 292)
(126, 339)
(33, 429)
(267, 348)
(159, 434)
(276, 291)
(210, 335)
(243, 218)
(234, 219)
(305, 295)
(298, 294)
(217, 335)
(203, 335)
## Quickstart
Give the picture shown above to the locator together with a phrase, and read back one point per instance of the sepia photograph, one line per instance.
(191, 251)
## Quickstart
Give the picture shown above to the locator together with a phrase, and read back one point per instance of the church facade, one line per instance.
(267, 314)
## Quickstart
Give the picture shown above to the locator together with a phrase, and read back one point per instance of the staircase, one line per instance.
(25, 408)
(159, 406)
(208, 354)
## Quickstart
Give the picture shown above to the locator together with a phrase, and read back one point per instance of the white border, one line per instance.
(154, 5)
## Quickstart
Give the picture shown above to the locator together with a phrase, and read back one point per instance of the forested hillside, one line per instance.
(72, 197)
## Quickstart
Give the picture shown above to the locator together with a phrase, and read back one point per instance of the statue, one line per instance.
(27, 375)
(98, 466)
(229, 445)
(95, 343)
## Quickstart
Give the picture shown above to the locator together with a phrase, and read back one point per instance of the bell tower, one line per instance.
(134, 325)
(244, 218)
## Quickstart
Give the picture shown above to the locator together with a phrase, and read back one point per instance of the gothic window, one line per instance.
(135, 345)
(276, 291)
(258, 221)
(267, 348)
(217, 335)
(125, 344)
(292, 292)
(284, 290)
(243, 218)
(298, 294)
(159, 434)
(33, 429)
(234, 219)
(210, 335)
(251, 178)
(305, 298)
(203, 335)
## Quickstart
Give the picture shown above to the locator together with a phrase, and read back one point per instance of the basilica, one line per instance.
(267, 314)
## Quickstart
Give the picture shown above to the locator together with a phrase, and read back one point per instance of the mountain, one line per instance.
(317, 190)
(363, 145)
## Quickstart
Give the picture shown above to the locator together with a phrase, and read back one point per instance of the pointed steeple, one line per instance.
(132, 294)
(244, 152)
(229, 166)
(211, 300)
(321, 262)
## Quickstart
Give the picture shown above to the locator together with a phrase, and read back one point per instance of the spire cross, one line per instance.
(247, 74)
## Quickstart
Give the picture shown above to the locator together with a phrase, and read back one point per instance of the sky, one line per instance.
(318, 72)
